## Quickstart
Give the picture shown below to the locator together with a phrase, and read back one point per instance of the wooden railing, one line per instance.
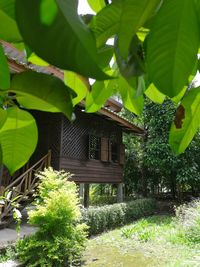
(22, 187)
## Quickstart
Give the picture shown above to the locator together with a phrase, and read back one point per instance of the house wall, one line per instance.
(74, 149)
(49, 136)
(69, 144)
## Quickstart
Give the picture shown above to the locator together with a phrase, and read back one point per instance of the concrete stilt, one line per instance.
(86, 195)
(81, 192)
(120, 192)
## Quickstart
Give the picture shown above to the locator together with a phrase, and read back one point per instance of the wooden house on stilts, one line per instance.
(91, 147)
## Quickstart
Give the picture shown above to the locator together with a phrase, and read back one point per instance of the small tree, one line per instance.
(60, 238)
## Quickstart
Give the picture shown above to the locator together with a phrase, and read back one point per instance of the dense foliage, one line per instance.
(60, 238)
(155, 54)
(151, 165)
(100, 219)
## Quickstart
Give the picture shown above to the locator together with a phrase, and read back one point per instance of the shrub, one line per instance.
(60, 238)
(188, 223)
(103, 218)
(102, 200)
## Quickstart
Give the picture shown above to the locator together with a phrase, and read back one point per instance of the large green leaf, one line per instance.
(8, 30)
(106, 23)
(60, 38)
(100, 92)
(8, 6)
(128, 94)
(155, 95)
(96, 5)
(18, 138)
(134, 65)
(172, 46)
(105, 54)
(134, 13)
(4, 71)
(186, 122)
(124, 17)
(42, 92)
(3, 116)
(78, 84)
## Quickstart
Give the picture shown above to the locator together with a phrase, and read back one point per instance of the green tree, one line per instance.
(161, 167)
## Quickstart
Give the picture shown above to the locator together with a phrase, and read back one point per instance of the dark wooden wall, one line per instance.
(69, 144)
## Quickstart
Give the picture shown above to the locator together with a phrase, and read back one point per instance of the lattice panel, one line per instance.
(75, 136)
(74, 140)
(94, 147)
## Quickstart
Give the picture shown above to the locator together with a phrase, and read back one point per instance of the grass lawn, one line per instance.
(147, 242)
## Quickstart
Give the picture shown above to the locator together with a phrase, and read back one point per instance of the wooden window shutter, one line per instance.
(104, 149)
(121, 154)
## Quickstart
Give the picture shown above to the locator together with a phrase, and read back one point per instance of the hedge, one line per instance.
(100, 219)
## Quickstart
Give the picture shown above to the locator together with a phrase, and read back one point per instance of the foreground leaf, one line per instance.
(96, 5)
(3, 117)
(155, 95)
(78, 84)
(100, 92)
(8, 30)
(186, 122)
(18, 138)
(4, 71)
(8, 6)
(60, 38)
(42, 92)
(172, 46)
(134, 13)
(124, 17)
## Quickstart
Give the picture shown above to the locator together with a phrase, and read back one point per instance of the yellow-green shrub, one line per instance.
(60, 238)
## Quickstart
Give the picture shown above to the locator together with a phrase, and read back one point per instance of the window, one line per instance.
(94, 147)
(114, 155)
(106, 150)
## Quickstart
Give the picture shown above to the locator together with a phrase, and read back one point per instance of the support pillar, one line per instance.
(81, 192)
(120, 192)
(86, 195)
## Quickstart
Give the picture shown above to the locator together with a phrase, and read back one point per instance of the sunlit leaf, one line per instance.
(96, 5)
(66, 43)
(172, 46)
(42, 92)
(128, 94)
(100, 92)
(3, 116)
(18, 138)
(155, 95)
(77, 83)
(34, 59)
(186, 123)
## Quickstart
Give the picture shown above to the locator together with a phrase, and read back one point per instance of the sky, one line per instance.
(84, 8)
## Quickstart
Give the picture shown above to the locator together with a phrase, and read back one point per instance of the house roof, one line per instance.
(18, 63)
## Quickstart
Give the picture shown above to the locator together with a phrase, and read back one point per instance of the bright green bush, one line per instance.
(103, 218)
(60, 238)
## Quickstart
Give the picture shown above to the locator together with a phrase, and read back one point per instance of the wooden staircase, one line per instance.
(20, 191)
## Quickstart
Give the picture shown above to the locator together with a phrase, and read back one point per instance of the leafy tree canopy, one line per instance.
(154, 54)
